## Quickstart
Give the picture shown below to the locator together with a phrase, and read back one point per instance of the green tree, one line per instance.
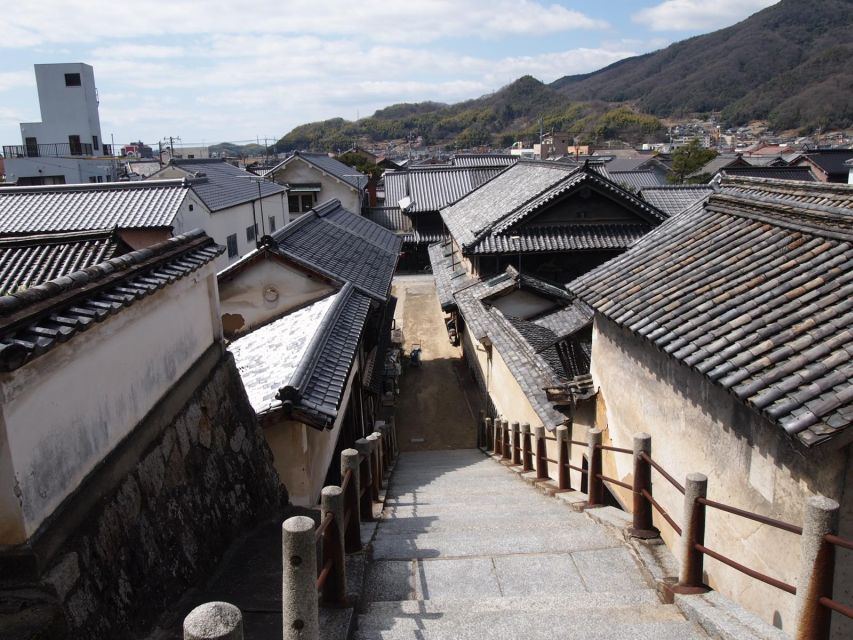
(687, 159)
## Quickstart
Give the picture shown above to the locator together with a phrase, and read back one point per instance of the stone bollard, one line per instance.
(381, 456)
(526, 449)
(690, 574)
(490, 445)
(335, 589)
(593, 482)
(541, 454)
(563, 483)
(395, 447)
(498, 437)
(516, 443)
(366, 478)
(642, 525)
(214, 621)
(300, 614)
(386, 447)
(817, 565)
(352, 533)
(376, 463)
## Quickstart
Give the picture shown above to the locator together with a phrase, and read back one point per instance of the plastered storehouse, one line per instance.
(309, 315)
(313, 178)
(727, 335)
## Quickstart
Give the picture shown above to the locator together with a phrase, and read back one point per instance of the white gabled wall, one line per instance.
(298, 171)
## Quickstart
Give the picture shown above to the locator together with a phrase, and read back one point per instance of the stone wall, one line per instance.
(205, 479)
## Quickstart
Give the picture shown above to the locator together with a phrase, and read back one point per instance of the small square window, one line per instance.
(72, 80)
(272, 224)
(251, 232)
(231, 241)
(95, 144)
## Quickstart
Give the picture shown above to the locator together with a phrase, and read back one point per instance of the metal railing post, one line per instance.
(594, 483)
(690, 572)
(541, 454)
(352, 532)
(214, 621)
(299, 608)
(526, 452)
(643, 523)
(563, 458)
(335, 588)
(817, 565)
(507, 441)
(516, 443)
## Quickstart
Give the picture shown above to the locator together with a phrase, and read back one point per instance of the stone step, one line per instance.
(533, 627)
(462, 521)
(538, 602)
(569, 615)
(444, 544)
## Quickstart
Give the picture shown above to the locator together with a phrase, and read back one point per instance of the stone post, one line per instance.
(499, 437)
(817, 565)
(376, 463)
(563, 458)
(352, 533)
(526, 449)
(366, 480)
(643, 524)
(593, 482)
(490, 444)
(541, 454)
(335, 589)
(214, 621)
(300, 614)
(383, 456)
(516, 443)
(690, 574)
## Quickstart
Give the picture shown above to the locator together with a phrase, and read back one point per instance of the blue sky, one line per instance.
(214, 70)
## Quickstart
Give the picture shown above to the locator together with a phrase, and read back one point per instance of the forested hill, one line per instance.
(789, 63)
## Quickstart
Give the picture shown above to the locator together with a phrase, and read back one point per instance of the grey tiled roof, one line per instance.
(754, 290)
(575, 238)
(675, 199)
(448, 279)
(375, 367)
(329, 165)
(26, 261)
(344, 246)
(483, 160)
(432, 188)
(802, 173)
(82, 207)
(636, 179)
(568, 320)
(523, 190)
(35, 320)
(831, 161)
(226, 185)
(391, 218)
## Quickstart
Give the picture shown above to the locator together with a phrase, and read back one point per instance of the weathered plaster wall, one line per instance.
(300, 172)
(697, 426)
(302, 454)
(242, 300)
(204, 479)
(65, 411)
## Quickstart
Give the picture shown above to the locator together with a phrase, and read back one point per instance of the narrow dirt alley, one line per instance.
(438, 401)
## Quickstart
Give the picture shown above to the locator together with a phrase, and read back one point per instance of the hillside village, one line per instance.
(572, 377)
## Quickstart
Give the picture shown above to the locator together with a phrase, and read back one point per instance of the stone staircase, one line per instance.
(465, 549)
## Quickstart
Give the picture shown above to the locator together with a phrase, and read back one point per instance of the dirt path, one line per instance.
(437, 404)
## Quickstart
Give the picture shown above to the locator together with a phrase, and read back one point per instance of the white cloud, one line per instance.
(88, 21)
(16, 79)
(698, 15)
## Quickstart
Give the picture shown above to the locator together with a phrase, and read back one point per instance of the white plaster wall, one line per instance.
(299, 171)
(242, 296)
(67, 409)
(698, 427)
(75, 170)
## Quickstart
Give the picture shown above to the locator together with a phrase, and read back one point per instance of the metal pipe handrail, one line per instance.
(779, 524)
(324, 524)
(836, 606)
(838, 541)
(615, 481)
(752, 573)
(606, 447)
(646, 457)
(661, 511)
